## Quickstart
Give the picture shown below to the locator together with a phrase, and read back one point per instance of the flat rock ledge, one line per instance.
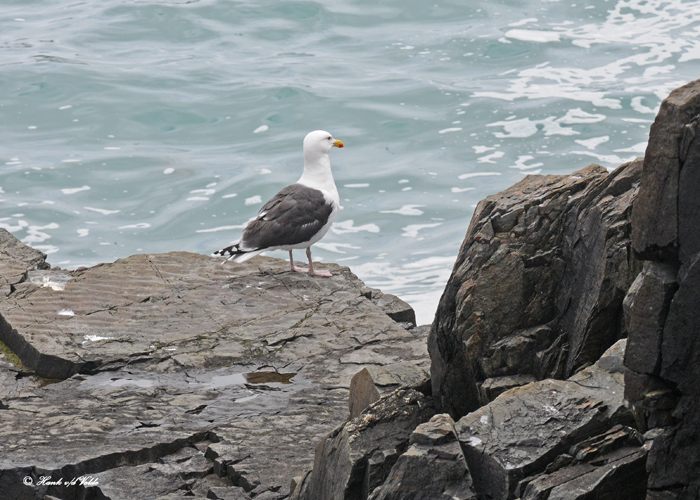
(165, 375)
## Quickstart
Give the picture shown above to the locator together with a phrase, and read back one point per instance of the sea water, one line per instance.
(138, 126)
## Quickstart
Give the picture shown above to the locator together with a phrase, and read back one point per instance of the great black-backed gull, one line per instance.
(300, 214)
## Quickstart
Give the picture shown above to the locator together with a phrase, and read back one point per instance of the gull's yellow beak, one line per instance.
(339, 144)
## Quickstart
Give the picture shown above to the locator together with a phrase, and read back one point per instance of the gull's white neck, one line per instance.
(317, 173)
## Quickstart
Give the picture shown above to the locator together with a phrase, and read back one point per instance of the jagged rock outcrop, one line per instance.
(433, 468)
(16, 259)
(538, 284)
(358, 456)
(610, 465)
(524, 430)
(173, 375)
(663, 357)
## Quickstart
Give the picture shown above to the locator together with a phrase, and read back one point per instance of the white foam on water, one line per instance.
(593, 142)
(612, 159)
(482, 149)
(67, 106)
(83, 232)
(203, 192)
(526, 127)
(477, 174)
(261, 128)
(348, 226)
(221, 228)
(71, 160)
(461, 190)
(168, 171)
(534, 35)
(448, 130)
(335, 247)
(101, 210)
(140, 225)
(75, 190)
(226, 196)
(21, 224)
(523, 22)
(491, 157)
(411, 210)
(637, 105)
(197, 198)
(520, 163)
(47, 249)
(639, 148)
(253, 200)
(355, 186)
(419, 282)
(655, 29)
(411, 231)
(265, 171)
(36, 234)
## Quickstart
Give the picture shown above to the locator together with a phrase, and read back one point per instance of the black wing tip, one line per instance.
(232, 250)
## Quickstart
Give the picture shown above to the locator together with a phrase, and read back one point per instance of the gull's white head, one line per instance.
(319, 142)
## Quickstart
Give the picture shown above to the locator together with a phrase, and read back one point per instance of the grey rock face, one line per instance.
(363, 392)
(357, 457)
(16, 259)
(620, 474)
(172, 374)
(432, 468)
(655, 216)
(538, 284)
(656, 285)
(499, 444)
(494, 387)
(664, 355)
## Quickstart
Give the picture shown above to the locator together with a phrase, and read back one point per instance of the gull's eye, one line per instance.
(329, 138)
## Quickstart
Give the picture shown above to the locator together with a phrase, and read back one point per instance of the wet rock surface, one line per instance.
(432, 468)
(499, 444)
(538, 285)
(356, 457)
(169, 375)
(663, 360)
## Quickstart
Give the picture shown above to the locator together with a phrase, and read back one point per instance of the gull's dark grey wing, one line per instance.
(292, 216)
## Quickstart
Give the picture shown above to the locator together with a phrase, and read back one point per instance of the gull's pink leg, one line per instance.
(293, 267)
(312, 272)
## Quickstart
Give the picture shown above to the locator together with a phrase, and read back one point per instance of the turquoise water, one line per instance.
(147, 126)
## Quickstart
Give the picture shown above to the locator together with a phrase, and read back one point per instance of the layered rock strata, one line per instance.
(172, 374)
(663, 357)
(537, 287)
